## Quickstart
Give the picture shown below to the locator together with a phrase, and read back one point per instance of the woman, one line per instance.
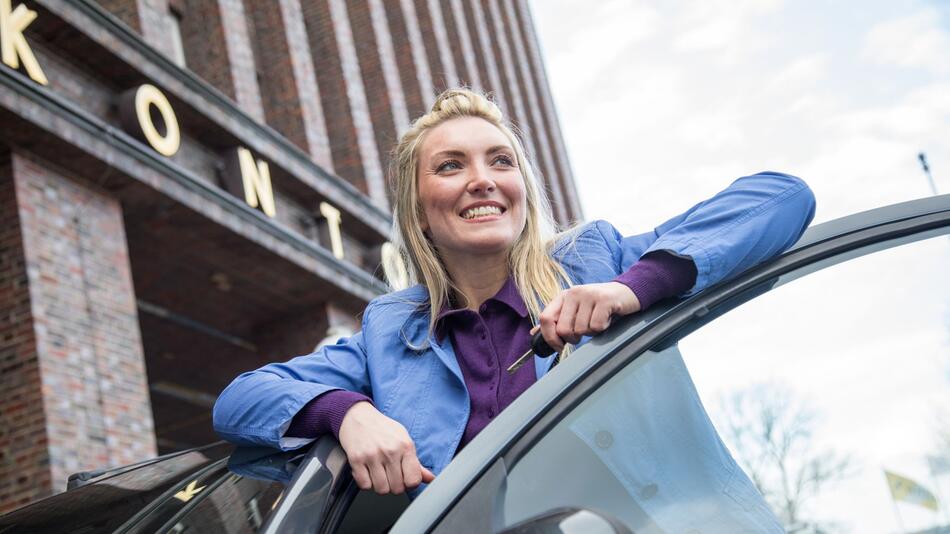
(427, 371)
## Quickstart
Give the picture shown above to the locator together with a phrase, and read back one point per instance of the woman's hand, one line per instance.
(380, 451)
(585, 310)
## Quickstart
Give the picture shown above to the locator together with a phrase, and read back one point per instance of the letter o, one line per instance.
(146, 96)
(394, 267)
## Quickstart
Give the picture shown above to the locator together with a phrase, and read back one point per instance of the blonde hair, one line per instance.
(538, 277)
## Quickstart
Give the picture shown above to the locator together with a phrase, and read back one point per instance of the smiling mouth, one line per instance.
(482, 211)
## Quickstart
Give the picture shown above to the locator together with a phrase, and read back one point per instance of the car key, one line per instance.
(539, 346)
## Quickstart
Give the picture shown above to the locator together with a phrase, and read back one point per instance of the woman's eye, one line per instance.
(448, 166)
(505, 160)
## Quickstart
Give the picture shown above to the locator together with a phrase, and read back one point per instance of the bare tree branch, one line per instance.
(770, 433)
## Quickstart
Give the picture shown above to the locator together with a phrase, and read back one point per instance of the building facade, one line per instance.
(192, 188)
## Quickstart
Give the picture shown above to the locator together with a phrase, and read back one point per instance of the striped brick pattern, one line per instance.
(355, 155)
(218, 48)
(411, 61)
(290, 94)
(23, 439)
(84, 357)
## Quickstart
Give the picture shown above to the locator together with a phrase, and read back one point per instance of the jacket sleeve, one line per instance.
(258, 406)
(752, 220)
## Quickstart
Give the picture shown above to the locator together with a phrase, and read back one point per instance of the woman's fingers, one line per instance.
(361, 476)
(585, 308)
(548, 320)
(411, 471)
(565, 321)
(600, 319)
(393, 467)
(380, 480)
(427, 475)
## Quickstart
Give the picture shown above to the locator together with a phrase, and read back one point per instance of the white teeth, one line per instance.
(481, 211)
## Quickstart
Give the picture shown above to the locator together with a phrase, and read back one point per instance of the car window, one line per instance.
(116, 498)
(842, 374)
(370, 512)
(833, 392)
(234, 505)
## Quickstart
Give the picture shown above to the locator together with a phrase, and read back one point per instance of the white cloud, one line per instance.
(803, 72)
(916, 40)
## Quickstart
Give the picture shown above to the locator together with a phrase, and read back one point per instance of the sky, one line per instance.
(669, 101)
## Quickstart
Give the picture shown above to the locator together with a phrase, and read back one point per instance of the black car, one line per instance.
(525, 472)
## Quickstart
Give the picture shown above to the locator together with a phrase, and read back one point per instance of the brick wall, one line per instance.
(218, 48)
(24, 475)
(410, 56)
(148, 17)
(384, 98)
(291, 96)
(84, 357)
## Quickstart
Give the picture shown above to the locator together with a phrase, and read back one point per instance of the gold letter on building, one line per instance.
(256, 179)
(394, 267)
(145, 97)
(333, 225)
(14, 45)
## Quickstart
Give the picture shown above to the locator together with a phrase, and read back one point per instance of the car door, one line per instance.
(620, 428)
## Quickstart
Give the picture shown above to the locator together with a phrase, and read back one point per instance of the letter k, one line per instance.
(12, 42)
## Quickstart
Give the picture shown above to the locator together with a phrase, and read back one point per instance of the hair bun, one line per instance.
(463, 101)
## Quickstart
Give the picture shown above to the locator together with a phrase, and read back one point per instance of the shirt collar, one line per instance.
(508, 295)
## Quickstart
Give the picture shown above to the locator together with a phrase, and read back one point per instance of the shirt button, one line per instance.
(648, 491)
(491, 412)
(604, 439)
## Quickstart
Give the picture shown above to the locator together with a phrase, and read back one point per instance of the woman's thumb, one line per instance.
(427, 476)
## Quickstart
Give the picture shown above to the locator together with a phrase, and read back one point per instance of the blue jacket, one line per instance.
(753, 219)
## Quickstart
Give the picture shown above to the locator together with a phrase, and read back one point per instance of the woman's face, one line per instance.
(470, 188)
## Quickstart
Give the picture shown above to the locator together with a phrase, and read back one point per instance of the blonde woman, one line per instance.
(427, 371)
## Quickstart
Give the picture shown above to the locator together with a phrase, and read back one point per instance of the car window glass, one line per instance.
(860, 347)
(234, 505)
(833, 392)
(110, 501)
(370, 512)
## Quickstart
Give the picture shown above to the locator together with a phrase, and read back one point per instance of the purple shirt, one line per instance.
(485, 344)
(488, 341)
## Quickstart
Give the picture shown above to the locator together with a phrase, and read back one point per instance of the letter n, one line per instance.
(255, 182)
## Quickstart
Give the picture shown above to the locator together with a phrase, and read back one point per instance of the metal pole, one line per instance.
(930, 179)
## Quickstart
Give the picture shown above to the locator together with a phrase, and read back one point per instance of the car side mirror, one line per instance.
(569, 521)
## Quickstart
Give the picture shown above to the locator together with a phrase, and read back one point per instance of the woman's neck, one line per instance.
(477, 278)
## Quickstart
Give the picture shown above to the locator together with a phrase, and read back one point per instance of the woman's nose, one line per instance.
(481, 181)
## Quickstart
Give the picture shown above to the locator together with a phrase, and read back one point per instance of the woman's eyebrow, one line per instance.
(499, 148)
(448, 154)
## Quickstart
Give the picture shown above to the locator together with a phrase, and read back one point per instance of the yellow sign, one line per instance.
(14, 46)
(255, 175)
(145, 97)
(136, 113)
(333, 222)
(189, 492)
(905, 489)
(394, 267)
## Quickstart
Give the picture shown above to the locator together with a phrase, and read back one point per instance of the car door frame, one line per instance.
(475, 473)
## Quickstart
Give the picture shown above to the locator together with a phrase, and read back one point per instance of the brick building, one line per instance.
(191, 188)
